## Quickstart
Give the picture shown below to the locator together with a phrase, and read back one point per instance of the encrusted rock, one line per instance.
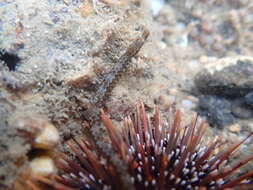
(47, 138)
(235, 128)
(231, 77)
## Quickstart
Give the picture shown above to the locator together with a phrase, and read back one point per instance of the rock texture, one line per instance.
(217, 110)
(227, 85)
(230, 77)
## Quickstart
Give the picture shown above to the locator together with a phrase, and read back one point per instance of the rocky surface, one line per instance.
(218, 110)
(227, 84)
(241, 109)
(249, 99)
(229, 77)
(54, 55)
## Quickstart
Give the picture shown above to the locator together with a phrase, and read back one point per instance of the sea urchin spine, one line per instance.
(158, 155)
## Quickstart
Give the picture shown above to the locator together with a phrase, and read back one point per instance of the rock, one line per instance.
(249, 99)
(166, 101)
(241, 110)
(229, 77)
(217, 110)
(235, 128)
(36, 130)
(188, 104)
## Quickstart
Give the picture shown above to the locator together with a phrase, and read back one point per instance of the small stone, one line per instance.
(86, 9)
(67, 2)
(166, 101)
(37, 130)
(235, 128)
(188, 104)
(203, 60)
(182, 41)
(42, 165)
(194, 64)
(162, 45)
(47, 138)
(173, 91)
(250, 125)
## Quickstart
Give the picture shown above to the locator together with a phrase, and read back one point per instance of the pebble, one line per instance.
(235, 128)
(205, 59)
(162, 45)
(173, 91)
(182, 41)
(188, 104)
(85, 9)
(48, 138)
(194, 64)
(37, 130)
(166, 101)
(42, 165)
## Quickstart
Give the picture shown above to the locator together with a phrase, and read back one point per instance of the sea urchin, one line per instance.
(157, 155)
